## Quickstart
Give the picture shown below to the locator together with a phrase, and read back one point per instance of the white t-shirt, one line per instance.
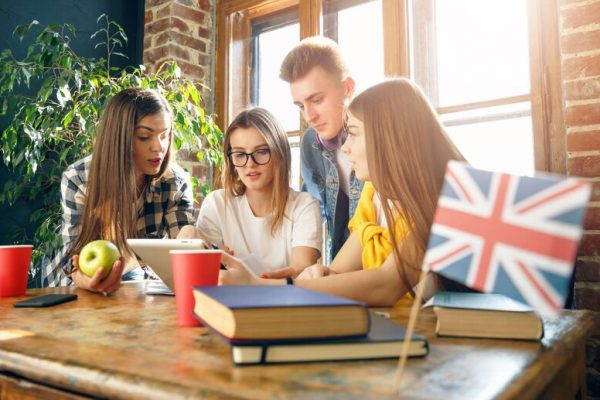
(235, 225)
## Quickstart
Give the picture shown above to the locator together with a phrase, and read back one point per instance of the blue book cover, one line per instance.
(258, 296)
(478, 301)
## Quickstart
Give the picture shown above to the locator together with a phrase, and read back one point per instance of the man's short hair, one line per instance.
(312, 52)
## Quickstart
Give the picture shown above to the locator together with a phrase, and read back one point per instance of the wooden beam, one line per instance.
(310, 12)
(395, 38)
(546, 86)
(484, 104)
(221, 65)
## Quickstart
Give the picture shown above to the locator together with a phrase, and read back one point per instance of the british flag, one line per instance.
(508, 234)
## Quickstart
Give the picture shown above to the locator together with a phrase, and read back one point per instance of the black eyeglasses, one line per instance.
(240, 159)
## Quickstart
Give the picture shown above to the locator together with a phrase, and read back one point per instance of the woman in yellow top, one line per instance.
(369, 235)
(370, 226)
(369, 243)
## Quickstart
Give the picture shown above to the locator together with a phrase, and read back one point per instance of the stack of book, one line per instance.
(275, 324)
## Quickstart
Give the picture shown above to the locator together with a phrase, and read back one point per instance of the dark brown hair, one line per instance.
(110, 199)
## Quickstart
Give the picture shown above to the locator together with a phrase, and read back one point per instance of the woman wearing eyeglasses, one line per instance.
(257, 215)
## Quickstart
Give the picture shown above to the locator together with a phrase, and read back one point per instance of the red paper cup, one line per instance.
(192, 268)
(14, 268)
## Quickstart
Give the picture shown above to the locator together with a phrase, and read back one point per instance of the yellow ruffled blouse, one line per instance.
(375, 239)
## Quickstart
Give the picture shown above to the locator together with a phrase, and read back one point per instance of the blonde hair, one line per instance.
(110, 207)
(407, 152)
(274, 134)
(315, 51)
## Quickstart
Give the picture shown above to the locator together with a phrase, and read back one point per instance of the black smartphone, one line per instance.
(46, 300)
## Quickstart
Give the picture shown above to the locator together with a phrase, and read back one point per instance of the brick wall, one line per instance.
(180, 30)
(580, 48)
(183, 31)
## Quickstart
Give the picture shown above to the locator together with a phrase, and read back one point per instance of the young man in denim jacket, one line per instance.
(321, 88)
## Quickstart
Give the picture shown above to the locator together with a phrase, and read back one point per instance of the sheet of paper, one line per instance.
(158, 288)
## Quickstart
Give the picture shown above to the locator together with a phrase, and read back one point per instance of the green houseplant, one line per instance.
(54, 99)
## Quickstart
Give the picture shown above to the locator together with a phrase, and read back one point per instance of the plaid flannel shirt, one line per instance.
(165, 207)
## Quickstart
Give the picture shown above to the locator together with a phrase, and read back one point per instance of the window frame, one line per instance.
(235, 18)
(257, 26)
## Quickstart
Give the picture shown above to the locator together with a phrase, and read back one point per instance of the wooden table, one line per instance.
(128, 346)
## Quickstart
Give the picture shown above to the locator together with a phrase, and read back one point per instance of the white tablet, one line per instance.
(155, 253)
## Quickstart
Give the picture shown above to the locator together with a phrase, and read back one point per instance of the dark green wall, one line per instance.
(83, 15)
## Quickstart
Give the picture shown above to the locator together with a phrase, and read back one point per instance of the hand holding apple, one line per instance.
(98, 254)
(104, 279)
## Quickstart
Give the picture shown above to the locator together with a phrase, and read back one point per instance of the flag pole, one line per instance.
(414, 311)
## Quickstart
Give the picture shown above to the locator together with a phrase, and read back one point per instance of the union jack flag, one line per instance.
(508, 234)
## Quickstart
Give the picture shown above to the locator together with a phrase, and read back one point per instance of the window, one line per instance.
(270, 43)
(354, 26)
(467, 75)
(492, 68)
(271, 40)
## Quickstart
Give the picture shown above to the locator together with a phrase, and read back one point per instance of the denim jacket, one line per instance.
(321, 180)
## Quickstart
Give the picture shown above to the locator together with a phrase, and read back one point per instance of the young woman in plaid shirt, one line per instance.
(127, 188)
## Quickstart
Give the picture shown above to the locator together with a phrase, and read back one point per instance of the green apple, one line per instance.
(98, 254)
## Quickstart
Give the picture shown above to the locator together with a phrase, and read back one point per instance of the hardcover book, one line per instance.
(485, 315)
(278, 312)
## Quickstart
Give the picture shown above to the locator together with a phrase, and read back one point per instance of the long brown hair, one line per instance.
(407, 152)
(274, 134)
(110, 201)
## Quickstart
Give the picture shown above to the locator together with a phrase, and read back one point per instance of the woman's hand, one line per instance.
(315, 271)
(191, 232)
(224, 248)
(280, 273)
(111, 284)
(237, 272)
